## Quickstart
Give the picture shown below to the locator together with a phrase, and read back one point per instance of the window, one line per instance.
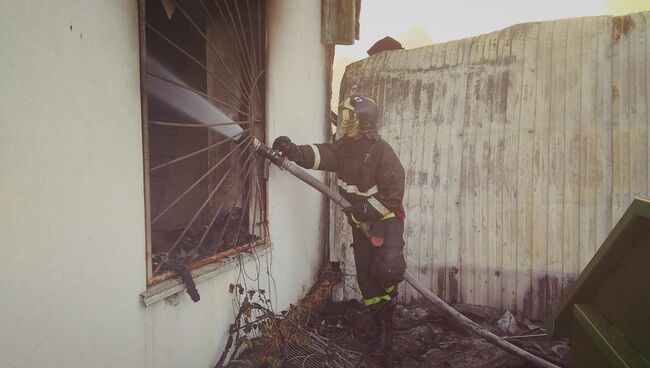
(203, 87)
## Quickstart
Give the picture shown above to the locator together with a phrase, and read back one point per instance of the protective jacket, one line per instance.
(371, 178)
(369, 172)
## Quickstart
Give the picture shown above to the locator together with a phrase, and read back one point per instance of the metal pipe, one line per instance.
(450, 312)
(295, 170)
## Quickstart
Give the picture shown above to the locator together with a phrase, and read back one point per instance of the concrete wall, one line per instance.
(71, 195)
(297, 103)
(72, 235)
(522, 148)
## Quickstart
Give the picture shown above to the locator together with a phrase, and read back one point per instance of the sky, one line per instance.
(417, 23)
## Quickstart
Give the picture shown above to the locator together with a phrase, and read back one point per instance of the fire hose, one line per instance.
(285, 164)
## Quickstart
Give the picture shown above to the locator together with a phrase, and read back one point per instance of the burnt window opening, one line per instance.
(203, 99)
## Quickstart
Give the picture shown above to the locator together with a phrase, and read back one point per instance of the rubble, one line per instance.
(423, 338)
(508, 323)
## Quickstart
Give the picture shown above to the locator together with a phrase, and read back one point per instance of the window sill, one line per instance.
(174, 286)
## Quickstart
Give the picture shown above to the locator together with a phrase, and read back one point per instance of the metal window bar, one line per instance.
(239, 193)
(247, 55)
(217, 213)
(242, 52)
(197, 182)
(192, 154)
(205, 203)
(249, 52)
(198, 29)
(253, 62)
(184, 52)
(237, 53)
(200, 125)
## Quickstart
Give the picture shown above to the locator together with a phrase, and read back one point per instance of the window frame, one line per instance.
(162, 284)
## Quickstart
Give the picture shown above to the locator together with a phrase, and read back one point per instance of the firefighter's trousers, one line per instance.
(379, 269)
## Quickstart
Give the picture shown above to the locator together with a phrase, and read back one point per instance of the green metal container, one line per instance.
(606, 313)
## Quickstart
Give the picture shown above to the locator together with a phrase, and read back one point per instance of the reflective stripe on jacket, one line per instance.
(367, 169)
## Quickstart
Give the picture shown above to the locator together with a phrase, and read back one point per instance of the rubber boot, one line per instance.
(384, 320)
(386, 343)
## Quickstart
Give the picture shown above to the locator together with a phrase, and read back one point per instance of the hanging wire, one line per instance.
(243, 271)
(241, 261)
(309, 349)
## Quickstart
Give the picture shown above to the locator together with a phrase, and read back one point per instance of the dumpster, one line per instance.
(606, 313)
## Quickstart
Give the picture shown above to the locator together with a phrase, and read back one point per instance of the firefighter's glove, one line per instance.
(362, 212)
(286, 147)
(281, 143)
(352, 221)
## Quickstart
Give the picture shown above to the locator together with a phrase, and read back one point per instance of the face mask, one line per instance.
(348, 119)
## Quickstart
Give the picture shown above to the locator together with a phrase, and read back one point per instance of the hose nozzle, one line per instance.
(272, 155)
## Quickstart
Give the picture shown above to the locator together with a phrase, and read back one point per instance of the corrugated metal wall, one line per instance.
(522, 147)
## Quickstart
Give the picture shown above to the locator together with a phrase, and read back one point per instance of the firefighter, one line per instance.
(371, 177)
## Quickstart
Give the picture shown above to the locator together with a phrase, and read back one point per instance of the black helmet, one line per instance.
(358, 110)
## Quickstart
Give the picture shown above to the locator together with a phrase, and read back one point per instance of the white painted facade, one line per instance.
(72, 235)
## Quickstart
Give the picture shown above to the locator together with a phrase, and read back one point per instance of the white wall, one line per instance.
(296, 108)
(192, 334)
(71, 198)
(72, 239)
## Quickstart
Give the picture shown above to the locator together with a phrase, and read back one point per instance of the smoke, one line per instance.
(185, 101)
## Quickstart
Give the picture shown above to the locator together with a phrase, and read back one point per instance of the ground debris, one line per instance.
(508, 323)
(422, 338)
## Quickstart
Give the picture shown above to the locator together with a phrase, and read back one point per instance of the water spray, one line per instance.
(166, 87)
